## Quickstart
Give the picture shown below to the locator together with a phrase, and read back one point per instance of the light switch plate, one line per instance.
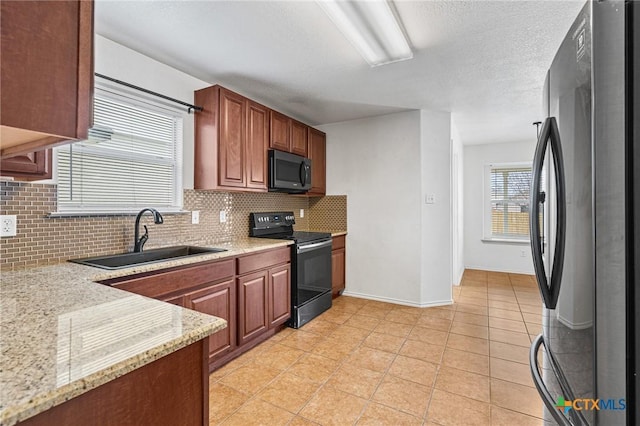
(195, 217)
(223, 216)
(301, 213)
(8, 225)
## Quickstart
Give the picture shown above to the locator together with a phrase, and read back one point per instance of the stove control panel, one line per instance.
(271, 220)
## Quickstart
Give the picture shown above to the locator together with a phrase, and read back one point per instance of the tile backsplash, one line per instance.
(42, 239)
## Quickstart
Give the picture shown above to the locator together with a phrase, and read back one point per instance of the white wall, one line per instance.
(385, 165)
(457, 205)
(492, 256)
(376, 163)
(437, 224)
(114, 60)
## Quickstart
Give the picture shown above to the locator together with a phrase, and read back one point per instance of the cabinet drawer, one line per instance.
(175, 280)
(338, 242)
(263, 260)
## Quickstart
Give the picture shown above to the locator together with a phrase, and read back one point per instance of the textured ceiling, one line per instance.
(485, 61)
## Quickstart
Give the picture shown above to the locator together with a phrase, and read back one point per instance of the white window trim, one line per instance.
(145, 101)
(486, 200)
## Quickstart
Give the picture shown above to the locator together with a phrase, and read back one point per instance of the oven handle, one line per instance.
(313, 246)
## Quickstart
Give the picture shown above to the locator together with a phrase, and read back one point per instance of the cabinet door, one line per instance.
(257, 145)
(280, 135)
(218, 300)
(32, 166)
(338, 258)
(232, 149)
(279, 295)
(47, 73)
(317, 154)
(252, 305)
(299, 138)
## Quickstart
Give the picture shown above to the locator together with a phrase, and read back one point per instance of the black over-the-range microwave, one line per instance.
(289, 172)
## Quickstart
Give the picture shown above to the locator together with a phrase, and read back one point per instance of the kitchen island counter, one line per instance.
(62, 334)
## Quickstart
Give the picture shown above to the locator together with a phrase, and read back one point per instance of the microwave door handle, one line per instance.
(307, 169)
(303, 174)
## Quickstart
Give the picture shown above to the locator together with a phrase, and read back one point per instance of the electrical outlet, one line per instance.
(223, 216)
(195, 217)
(430, 199)
(9, 224)
(523, 253)
(301, 213)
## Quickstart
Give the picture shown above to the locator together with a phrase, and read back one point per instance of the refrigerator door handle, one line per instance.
(540, 386)
(549, 135)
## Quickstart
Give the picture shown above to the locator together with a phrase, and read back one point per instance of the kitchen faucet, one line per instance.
(139, 242)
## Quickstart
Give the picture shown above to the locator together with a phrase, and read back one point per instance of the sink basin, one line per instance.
(126, 260)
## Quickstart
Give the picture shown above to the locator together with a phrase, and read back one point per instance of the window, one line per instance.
(507, 202)
(131, 160)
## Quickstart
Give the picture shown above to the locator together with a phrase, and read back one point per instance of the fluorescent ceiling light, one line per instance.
(372, 28)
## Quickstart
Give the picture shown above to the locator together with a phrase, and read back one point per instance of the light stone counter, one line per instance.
(62, 334)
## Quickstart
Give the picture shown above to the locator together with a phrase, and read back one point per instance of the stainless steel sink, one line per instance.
(126, 260)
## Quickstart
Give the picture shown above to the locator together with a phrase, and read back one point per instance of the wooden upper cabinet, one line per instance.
(231, 141)
(280, 137)
(31, 166)
(299, 138)
(317, 154)
(233, 135)
(257, 145)
(46, 74)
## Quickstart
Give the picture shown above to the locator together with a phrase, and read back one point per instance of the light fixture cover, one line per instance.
(372, 28)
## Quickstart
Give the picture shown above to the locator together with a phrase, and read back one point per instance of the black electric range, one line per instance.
(310, 263)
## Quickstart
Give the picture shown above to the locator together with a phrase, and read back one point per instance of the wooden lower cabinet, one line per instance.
(338, 265)
(279, 306)
(252, 305)
(251, 292)
(264, 293)
(218, 300)
(172, 390)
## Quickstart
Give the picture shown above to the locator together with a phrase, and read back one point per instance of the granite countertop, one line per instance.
(62, 334)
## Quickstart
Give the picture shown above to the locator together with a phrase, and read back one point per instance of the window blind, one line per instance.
(510, 187)
(130, 160)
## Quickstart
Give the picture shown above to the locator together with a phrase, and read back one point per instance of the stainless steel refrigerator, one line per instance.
(584, 221)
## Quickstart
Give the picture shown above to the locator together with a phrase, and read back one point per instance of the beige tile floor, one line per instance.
(372, 363)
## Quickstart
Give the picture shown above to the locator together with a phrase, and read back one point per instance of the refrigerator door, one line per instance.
(568, 314)
(615, 337)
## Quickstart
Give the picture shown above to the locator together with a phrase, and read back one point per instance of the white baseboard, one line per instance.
(459, 280)
(397, 301)
(506, 270)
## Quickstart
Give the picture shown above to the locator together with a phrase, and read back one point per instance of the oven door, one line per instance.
(289, 172)
(312, 272)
